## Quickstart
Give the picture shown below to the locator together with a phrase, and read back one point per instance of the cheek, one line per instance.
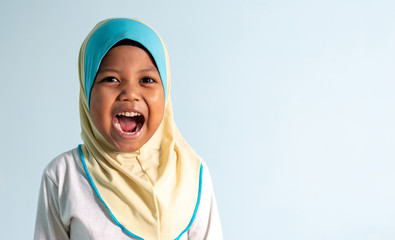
(160, 111)
(96, 115)
(158, 107)
(98, 109)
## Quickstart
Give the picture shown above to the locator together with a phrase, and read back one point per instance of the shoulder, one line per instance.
(206, 224)
(63, 165)
(206, 187)
(205, 174)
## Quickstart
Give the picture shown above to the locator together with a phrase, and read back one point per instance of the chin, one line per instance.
(131, 147)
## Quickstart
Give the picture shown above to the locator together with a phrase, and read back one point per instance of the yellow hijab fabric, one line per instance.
(152, 193)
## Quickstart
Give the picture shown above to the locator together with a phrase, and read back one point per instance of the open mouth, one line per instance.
(129, 123)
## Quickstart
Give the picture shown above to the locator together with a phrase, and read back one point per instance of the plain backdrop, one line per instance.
(290, 103)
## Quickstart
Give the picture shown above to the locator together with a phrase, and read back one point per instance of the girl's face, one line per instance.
(127, 99)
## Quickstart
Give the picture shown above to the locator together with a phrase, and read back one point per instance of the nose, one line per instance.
(130, 92)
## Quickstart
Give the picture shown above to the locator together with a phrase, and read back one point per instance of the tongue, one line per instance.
(128, 124)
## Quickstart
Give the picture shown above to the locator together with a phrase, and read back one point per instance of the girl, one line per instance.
(135, 177)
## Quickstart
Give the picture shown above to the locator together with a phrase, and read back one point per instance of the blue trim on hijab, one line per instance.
(197, 204)
(113, 31)
(112, 215)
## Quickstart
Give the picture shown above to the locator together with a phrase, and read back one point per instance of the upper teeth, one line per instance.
(129, 114)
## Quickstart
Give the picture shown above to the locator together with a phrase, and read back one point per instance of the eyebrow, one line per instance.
(107, 70)
(149, 69)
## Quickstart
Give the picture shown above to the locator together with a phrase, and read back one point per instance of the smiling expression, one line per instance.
(127, 98)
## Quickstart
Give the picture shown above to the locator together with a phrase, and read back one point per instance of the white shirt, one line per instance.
(68, 207)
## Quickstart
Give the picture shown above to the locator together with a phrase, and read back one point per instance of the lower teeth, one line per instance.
(138, 127)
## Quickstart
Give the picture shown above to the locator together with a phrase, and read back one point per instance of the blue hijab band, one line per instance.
(113, 31)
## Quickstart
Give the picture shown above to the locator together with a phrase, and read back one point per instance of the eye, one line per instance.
(110, 80)
(147, 80)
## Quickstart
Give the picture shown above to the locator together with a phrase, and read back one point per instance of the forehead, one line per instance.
(129, 49)
(130, 57)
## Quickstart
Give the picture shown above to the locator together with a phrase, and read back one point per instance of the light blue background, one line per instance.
(290, 103)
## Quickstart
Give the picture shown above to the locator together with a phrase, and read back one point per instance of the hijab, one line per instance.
(154, 192)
